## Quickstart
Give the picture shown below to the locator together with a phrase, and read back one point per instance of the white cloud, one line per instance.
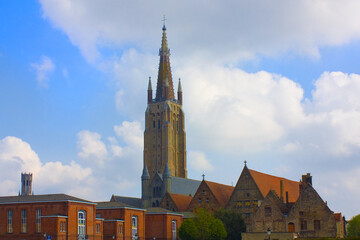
(92, 148)
(18, 156)
(198, 161)
(43, 69)
(243, 28)
(131, 133)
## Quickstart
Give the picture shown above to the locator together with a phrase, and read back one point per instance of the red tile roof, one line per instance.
(181, 201)
(267, 182)
(221, 192)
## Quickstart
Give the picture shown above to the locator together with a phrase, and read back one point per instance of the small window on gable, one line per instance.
(207, 200)
(203, 192)
(199, 200)
(267, 211)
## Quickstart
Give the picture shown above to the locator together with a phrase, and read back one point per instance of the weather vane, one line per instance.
(164, 19)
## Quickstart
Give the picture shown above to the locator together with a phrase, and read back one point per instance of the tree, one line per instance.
(188, 230)
(233, 221)
(353, 229)
(217, 230)
(204, 226)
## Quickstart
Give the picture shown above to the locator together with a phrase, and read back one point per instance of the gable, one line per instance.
(245, 189)
(203, 197)
(310, 199)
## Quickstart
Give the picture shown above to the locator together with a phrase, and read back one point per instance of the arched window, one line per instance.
(81, 224)
(134, 227)
(173, 229)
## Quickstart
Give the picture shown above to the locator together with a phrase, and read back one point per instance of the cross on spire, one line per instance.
(164, 20)
(245, 162)
(203, 176)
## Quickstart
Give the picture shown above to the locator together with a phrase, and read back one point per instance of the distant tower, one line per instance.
(164, 135)
(26, 182)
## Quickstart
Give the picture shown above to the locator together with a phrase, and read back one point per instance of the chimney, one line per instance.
(282, 190)
(287, 197)
(307, 179)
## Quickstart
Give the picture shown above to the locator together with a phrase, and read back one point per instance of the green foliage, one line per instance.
(233, 222)
(203, 227)
(353, 229)
(217, 230)
(188, 230)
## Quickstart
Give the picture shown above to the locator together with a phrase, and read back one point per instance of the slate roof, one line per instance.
(267, 182)
(220, 191)
(184, 186)
(102, 205)
(42, 198)
(181, 201)
(128, 201)
(158, 210)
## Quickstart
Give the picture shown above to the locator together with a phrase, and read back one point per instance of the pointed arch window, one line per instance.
(81, 224)
(134, 227)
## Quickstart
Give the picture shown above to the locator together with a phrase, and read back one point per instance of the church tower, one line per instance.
(164, 136)
(26, 182)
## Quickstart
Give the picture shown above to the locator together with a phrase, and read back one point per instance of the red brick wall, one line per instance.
(126, 215)
(159, 225)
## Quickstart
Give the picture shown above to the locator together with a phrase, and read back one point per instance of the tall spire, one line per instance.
(164, 71)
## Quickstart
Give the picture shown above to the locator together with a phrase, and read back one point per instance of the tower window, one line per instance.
(153, 124)
(158, 124)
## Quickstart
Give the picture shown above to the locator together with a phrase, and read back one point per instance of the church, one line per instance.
(270, 205)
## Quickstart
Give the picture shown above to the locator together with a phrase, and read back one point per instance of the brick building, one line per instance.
(162, 224)
(58, 216)
(121, 221)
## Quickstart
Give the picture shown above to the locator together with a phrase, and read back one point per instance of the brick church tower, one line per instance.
(164, 136)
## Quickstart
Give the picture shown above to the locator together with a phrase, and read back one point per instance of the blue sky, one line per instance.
(275, 84)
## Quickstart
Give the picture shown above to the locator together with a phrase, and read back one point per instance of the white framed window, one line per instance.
(134, 227)
(10, 221)
(62, 226)
(23, 220)
(38, 220)
(81, 224)
(173, 229)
